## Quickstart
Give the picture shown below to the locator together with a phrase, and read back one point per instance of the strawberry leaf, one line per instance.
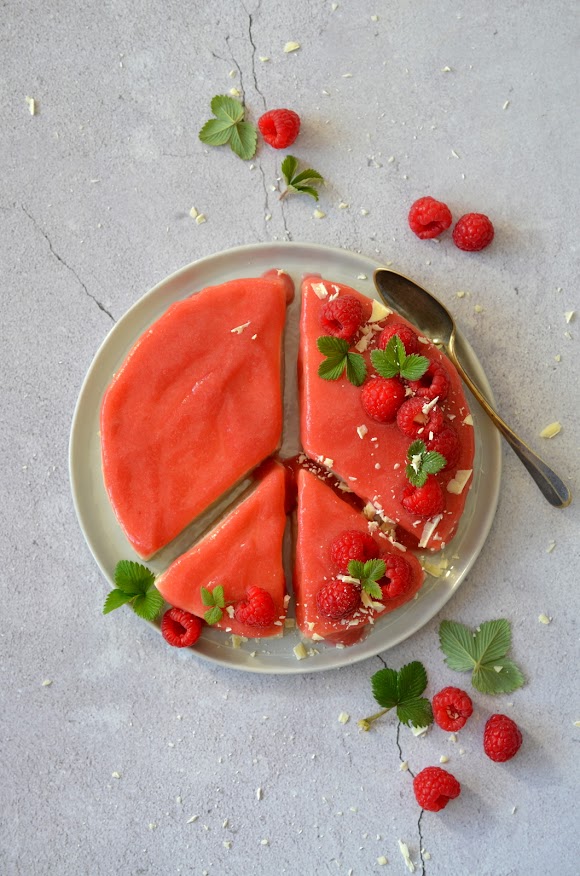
(213, 616)
(116, 599)
(304, 182)
(229, 127)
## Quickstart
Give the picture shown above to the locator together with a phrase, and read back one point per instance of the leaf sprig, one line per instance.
(401, 691)
(299, 183)
(338, 358)
(368, 574)
(483, 654)
(215, 600)
(135, 587)
(393, 361)
(422, 462)
(229, 127)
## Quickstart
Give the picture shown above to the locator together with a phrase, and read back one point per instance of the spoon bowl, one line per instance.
(434, 320)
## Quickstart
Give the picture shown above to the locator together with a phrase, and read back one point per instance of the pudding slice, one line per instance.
(369, 454)
(322, 519)
(195, 406)
(243, 551)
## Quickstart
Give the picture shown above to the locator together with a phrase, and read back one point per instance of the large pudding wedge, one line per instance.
(195, 406)
(371, 456)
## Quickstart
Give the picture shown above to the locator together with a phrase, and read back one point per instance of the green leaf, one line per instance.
(332, 368)
(457, 643)
(356, 369)
(148, 605)
(393, 361)
(416, 712)
(306, 176)
(133, 578)
(218, 595)
(216, 132)
(414, 367)
(398, 349)
(288, 168)
(207, 596)
(433, 462)
(356, 569)
(374, 569)
(304, 190)
(116, 599)
(331, 346)
(372, 588)
(493, 641)
(417, 478)
(227, 109)
(384, 685)
(412, 680)
(415, 449)
(243, 140)
(383, 364)
(488, 680)
(213, 616)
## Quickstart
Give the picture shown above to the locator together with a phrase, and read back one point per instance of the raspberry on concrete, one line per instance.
(279, 127)
(451, 708)
(352, 545)
(180, 628)
(425, 501)
(382, 397)
(257, 610)
(501, 738)
(429, 218)
(342, 317)
(473, 232)
(434, 788)
(338, 599)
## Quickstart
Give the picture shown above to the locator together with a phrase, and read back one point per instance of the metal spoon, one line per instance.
(433, 319)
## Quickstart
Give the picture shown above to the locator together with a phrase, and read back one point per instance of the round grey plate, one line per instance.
(108, 543)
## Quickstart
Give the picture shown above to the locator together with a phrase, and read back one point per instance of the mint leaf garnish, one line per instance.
(338, 358)
(229, 127)
(483, 654)
(215, 600)
(135, 587)
(422, 462)
(304, 182)
(393, 361)
(368, 574)
(401, 691)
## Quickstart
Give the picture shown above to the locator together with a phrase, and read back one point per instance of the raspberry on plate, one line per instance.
(257, 610)
(429, 218)
(352, 545)
(406, 335)
(382, 397)
(413, 422)
(445, 442)
(279, 127)
(473, 232)
(501, 738)
(451, 708)
(433, 384)
(425, 501)
(180, 628)
(342, 317)
(338, 599)
(397, 576)
(434, 788)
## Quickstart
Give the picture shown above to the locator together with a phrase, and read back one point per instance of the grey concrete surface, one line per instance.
(95, 193)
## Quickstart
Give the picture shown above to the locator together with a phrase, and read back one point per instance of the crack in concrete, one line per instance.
(254, 48)
(410, 771)
(284, 220)
(67, 266)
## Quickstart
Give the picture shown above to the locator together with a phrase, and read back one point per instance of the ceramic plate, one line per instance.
(108, 543)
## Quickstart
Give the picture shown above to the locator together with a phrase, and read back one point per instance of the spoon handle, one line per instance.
(551, 486)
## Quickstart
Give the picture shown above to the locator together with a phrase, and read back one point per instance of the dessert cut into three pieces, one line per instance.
(197, 406)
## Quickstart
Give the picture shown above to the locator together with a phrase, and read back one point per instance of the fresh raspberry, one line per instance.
(433, 384)
(473, 232)
(342, 317)
(397, 576)
(445, 442)
(451, 708)
(501, 738)
(425, 501)
(413, 422)
(257, 610)
(352, 545)
(279, 127)
(434, 788)
(407, 335)
(429, 218)
(338, 599)
(382, 397)
(180, 628)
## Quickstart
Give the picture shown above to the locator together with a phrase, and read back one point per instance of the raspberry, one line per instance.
(352, 545)
(397, 575)
(338, 599)
(257, 610)
(342, 317)
(425, 501)
(406, 334)
(279, 127)
(473, 232)
(445, 442)
(180, 628)
(434, 788)
(433, 384)
(501, 738)
(382, 397)
(451, 708)
(413, 422)
(428, 218)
